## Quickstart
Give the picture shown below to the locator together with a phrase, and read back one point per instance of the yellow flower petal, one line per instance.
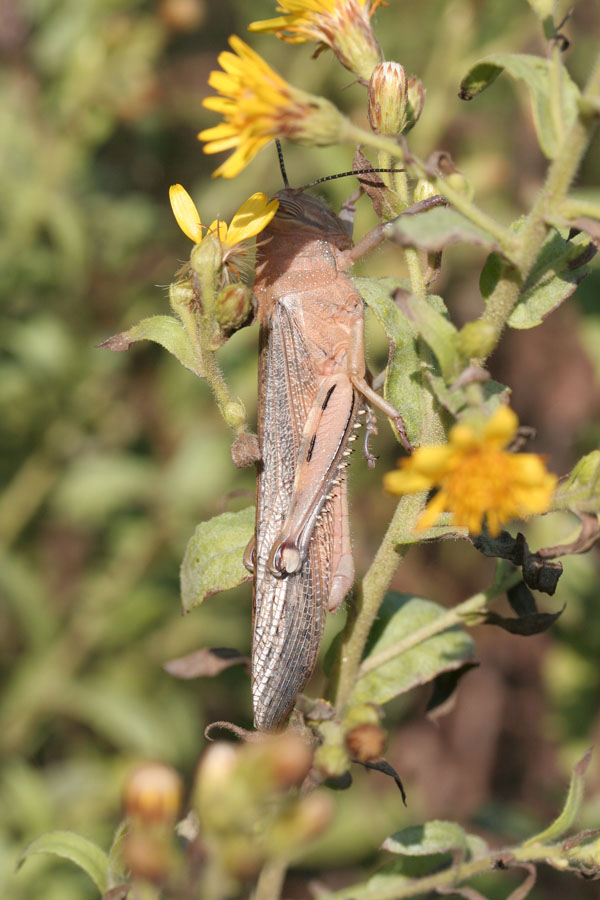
(252, 216)
(502, 426)
(185, 212)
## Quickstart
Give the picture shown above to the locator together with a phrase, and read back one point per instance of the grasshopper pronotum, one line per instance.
(312, 388)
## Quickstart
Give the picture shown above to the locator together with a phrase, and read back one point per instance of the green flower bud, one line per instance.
(387, 98)
(235, 414)
(415, 101)
(233, 307)
(423, 190)
(208, 254)
(461, 184)
(182, 295)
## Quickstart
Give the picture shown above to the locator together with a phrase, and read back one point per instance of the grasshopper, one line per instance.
(312, 389)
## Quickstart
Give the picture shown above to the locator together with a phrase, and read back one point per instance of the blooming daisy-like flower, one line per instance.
(343, 25)
(476, 477)
(250, 219)
(258, 105)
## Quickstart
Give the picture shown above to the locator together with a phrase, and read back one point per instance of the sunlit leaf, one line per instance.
(437, 228)
(401, 620)
(213, 557)
(436, 836)
(535, 72)
(561, 265)
(79, 850)
(164, 330)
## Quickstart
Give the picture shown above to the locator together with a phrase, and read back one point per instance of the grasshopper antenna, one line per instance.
(282, 163)
(368, 171)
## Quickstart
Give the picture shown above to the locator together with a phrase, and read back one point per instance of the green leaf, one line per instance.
(569, 811)
(213, 557)
(535, 72)
(559, 268)
(404, 619)
(436, 836)
(403, 384)
(68, 845)
(432, 322)
(437, 228)
(164, 330)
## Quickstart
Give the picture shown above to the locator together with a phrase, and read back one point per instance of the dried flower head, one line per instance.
(342, 25)
(258, 105)
(476, 477)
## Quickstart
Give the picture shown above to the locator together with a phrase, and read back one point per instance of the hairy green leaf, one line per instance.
(437, 228)
(213, 557)
(559, 268)
(406, 621)
(436, 836)
(164, 330)
(68, 845)
(535, 72)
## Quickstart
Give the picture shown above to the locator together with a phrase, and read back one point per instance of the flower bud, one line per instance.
(289, 757)
(233, 307)
(182, 295)
(207, 254)
(387, 98)
(415, 101)
(461, 184)
(366, 742)
(423, 190)
(234, 413)
(152, 793)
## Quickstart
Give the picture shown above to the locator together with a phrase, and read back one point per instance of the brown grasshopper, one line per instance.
(312, 388)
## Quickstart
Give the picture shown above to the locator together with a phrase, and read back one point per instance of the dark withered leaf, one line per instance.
(539, 573)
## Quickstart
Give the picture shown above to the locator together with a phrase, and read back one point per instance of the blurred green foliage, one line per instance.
(110, 460)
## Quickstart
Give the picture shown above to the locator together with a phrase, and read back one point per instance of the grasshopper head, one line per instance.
(300, 213)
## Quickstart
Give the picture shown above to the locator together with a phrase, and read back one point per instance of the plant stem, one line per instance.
(398, 887)
(270, 880)
(370, 595)
(548, 204)
(418, 168)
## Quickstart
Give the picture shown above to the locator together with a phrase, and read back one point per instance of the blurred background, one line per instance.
(109, 460)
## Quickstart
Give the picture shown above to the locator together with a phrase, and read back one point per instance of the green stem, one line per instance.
(548, 204)
(398, 887)
(572, 208)
(417, 168)
(371, 594)
(198, 327)
(411, 254)
(471, 608)
(270, 881)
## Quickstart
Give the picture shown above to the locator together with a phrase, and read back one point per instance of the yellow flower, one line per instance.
(252, 216)
(342, 25)
(257, 105)
(477, 477)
